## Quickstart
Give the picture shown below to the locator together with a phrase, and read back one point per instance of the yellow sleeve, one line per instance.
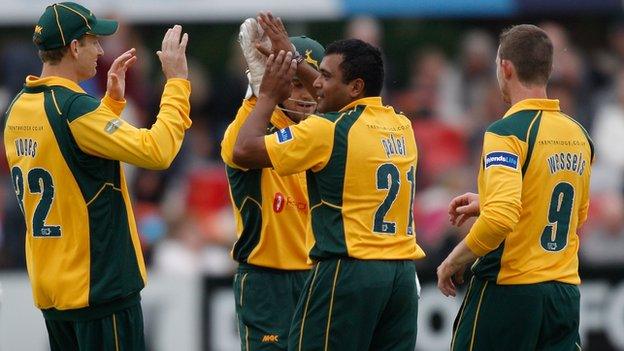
(116, 106)
(307, 145)
(231, 133)
(101, 133)
(500, 192)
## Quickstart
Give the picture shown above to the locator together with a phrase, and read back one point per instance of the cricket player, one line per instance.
(272, 211)
(360, 160)
(533, 197)
(64, 150)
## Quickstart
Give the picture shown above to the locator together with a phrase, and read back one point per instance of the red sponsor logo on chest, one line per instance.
(279, 202)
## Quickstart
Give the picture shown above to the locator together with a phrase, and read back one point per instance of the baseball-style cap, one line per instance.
(65, 21)
(310, 49)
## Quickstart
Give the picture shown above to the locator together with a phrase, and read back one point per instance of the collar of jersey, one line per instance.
(280, 120)
(368, 101)
(33, 81)
(533, 104)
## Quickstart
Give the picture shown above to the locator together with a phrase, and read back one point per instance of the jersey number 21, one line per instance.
(389, 177)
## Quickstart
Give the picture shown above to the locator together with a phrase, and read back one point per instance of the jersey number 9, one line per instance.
(555, 234)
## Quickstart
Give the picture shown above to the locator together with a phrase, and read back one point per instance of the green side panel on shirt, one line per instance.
(326, 187)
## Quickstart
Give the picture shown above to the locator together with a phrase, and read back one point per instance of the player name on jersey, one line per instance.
(566, 161)
(394, 146)
(26, 147)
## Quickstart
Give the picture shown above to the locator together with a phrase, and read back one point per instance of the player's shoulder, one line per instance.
(582, 131)
(516, 124)
(73, 104)
(335, 117)
(397, 114)
(328, 116)
(573, 122)
(80, 105)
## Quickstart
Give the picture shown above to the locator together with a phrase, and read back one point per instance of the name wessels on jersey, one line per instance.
(566, 161)
(563, 161)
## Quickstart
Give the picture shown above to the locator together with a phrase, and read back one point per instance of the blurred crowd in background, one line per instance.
(184, 214)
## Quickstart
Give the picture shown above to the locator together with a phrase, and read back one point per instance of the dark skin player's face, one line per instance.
(333, 94)
(301, 104)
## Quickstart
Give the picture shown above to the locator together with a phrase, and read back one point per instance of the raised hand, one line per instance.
(116, 79)
(172, 55)
(249, 36)
(463, 207)
(275, 30)
(277, 80)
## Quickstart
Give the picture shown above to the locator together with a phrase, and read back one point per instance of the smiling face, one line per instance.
(332, 93)
(300, 104)
(86, 53)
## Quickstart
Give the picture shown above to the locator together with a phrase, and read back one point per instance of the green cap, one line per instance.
(311, 50)
(63, 22)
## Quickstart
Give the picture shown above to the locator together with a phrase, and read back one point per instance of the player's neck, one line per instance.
(521, 92)
(63, 70)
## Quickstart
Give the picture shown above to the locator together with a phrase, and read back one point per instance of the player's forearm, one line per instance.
(101, 133)
(461, 255)
(167, 134)
(249, 150)
(492, 227)
(501, 205)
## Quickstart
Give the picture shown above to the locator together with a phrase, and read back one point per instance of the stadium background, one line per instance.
(440, 73)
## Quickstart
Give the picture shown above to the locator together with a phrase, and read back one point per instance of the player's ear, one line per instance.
(508, 68)
(356, 88)
(73, 48)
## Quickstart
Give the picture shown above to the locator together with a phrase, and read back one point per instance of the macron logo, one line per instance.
(270, 338)
(502, 159)
(284, 135)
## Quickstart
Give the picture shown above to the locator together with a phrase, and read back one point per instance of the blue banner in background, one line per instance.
(431, 8)
(542, 7)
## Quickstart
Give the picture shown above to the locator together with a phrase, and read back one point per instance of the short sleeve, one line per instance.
(307, 145)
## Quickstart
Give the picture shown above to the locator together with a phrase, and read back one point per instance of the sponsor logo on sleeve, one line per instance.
(113, 125)
(501, 159)
(284, 135)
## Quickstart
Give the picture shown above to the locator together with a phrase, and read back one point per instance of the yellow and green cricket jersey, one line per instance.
(82, 246)
(272, 213)
(361, 167)
(534, 195)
